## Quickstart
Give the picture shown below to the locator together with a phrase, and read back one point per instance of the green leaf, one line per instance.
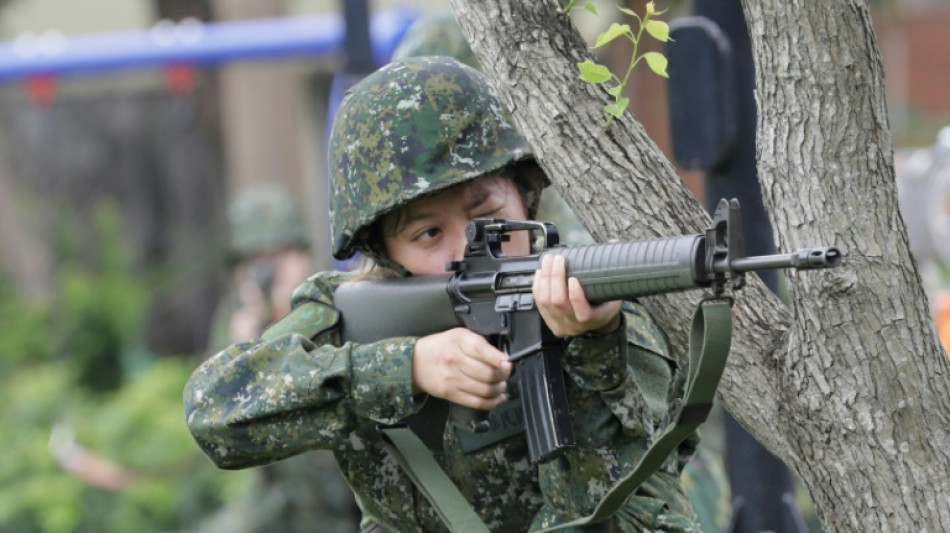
(616, 109)
(590, 6)
(615, 30)
(615, 91)
(630, 12)
(593, 73)
(657, 63)
(659, 30)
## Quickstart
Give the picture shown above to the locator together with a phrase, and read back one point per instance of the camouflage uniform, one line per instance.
(410, 130)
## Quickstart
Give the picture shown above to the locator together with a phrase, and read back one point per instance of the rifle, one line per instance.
(490, 293)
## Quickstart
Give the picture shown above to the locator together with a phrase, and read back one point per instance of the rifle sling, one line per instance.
(709, 341)
(426, 474)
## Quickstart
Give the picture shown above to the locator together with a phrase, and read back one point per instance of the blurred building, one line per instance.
(915, 46)
(166, 143)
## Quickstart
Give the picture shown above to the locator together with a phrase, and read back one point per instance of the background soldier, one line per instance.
(271, 257)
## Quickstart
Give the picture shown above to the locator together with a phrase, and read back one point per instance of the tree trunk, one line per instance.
(849, 384)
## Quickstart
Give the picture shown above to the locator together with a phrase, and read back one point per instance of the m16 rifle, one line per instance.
(490, 294)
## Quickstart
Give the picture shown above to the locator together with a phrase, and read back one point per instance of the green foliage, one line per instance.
(593, 73)
(139, 428)
(106, 307)
(598, 74)
(24, 336)
(66, 393)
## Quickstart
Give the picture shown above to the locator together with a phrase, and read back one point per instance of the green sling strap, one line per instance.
(709, 341)
(426, 474)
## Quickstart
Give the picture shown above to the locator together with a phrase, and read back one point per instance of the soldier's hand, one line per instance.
(249, 319)
(461, 367)
(291, 268)
(564, 306)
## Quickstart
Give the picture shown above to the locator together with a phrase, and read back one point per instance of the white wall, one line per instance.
(74, 17)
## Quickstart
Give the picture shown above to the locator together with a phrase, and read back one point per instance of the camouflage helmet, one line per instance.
(412, 129)
(264, 217)
(436, 35)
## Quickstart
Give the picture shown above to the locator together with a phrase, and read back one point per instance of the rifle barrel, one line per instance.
(806, 259)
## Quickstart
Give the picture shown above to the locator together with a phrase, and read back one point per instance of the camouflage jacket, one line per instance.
(299, 389)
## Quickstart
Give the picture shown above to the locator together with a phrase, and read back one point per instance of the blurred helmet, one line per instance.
(412, 129)
(436, 35)
(264, 217)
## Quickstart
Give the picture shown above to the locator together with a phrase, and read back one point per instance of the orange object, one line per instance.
(942, 317)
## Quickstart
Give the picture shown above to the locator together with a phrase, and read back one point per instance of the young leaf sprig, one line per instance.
(596, 73)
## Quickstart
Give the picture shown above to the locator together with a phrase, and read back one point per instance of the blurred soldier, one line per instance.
(707, 486)
(270, 251)
(436, 35)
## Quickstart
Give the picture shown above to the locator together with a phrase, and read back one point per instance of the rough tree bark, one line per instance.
(848, 385)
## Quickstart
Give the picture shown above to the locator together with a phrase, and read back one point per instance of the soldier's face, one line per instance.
(430, 232)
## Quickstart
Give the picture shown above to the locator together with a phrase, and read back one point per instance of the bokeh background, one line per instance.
(118, 159)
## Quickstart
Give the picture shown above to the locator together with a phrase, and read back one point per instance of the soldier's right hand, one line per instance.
(249, 319)
(461, 367)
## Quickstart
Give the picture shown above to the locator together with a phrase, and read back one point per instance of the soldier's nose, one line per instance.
(458, 252)
(458, 244)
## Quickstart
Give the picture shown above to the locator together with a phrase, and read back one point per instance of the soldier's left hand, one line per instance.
(563, 305)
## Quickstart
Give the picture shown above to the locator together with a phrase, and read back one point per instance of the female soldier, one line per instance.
(419, 149)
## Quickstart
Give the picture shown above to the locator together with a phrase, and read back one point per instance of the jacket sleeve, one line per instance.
(627, 375)
(296, 388)
(623, 390)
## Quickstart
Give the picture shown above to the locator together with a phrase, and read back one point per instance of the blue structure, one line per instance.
(195, 43)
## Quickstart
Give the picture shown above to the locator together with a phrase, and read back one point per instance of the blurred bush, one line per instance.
(94, 435)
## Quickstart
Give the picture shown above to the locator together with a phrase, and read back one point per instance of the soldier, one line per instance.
(420, 148)
(270, 251)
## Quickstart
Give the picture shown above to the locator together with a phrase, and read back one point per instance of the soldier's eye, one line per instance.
(428, 234)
